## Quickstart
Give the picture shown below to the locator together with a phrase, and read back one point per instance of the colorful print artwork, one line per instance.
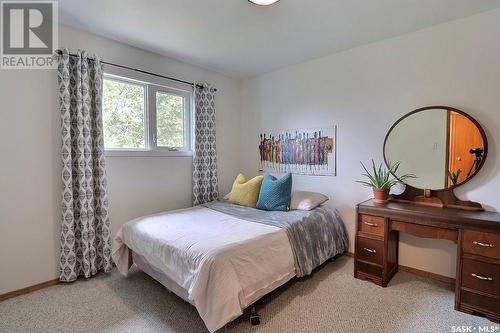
(309, 152)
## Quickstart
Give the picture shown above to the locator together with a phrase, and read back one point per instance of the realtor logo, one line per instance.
(29, 34)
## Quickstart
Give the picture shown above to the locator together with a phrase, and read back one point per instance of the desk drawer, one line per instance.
(369, 272)
(481, 276)
(371, 224)
(370, 250)
(482, 243)
(480, 303)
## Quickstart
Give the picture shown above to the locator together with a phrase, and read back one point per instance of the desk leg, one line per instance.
(458, 277)
(391, 253)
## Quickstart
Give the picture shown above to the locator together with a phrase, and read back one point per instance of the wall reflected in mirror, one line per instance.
(441, 147)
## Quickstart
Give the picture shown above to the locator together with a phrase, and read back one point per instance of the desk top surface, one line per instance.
(466, 218)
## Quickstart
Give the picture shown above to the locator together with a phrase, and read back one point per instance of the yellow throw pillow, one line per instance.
(245, 192)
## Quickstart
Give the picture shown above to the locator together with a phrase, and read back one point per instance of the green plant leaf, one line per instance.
(381, 177)
(364, 183)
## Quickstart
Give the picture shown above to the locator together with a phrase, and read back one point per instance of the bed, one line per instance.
(222, 257)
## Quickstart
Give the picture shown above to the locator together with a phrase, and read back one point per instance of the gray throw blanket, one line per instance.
(315, 236)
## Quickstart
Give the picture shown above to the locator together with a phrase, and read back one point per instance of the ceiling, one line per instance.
(239, 39)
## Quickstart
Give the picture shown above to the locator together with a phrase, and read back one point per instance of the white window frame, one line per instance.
(145, 106)
(151, 86)
(152, 91)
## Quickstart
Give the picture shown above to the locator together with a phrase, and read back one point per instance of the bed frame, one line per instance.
(178, 290)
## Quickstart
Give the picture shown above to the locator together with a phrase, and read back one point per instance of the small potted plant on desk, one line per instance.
(382, 179)
(454, 176)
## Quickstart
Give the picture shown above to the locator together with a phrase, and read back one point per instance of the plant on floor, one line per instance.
(381, 179)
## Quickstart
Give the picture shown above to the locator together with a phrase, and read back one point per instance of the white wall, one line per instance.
(30, 162)
(419, 143)
(365, 90)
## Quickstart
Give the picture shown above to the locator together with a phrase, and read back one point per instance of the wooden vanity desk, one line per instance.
(476, 233)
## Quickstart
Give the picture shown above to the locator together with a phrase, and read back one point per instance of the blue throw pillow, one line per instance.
(275, 193)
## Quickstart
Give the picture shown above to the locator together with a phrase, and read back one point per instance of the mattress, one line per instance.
(159, 276)
(219, 263)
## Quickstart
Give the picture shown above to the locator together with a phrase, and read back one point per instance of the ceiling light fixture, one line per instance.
(263, 2)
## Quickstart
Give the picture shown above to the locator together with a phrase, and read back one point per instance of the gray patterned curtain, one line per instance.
(205, 183)
(85, 235)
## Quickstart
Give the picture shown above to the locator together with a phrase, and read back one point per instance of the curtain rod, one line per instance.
(59, 52)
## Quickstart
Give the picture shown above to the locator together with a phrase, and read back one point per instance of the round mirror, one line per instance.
(444, 147)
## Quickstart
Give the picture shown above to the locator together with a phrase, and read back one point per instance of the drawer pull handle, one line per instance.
(483, 244)
(480, 277)
(369, 250)
(371, 224)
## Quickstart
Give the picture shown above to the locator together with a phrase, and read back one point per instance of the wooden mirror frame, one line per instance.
(443, 197)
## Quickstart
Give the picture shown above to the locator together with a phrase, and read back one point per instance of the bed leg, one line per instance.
(335, 257)
(254, 316)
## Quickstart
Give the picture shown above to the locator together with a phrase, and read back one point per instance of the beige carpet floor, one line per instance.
(330, 300)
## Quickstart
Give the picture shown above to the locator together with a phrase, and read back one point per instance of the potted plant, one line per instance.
(454, 176)
(382, 179)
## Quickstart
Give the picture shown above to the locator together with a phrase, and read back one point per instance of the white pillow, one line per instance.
(304, 200)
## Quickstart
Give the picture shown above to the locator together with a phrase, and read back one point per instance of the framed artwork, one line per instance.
(299, 151)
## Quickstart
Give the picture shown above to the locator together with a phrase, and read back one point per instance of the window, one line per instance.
(124, 114)
(142, 118)
(169, 120)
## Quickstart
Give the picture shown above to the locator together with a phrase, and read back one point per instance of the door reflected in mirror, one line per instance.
(444, 147)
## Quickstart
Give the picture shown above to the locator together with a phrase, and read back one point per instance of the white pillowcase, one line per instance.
(304, 200)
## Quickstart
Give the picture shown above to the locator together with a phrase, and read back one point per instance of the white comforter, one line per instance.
(223, 262)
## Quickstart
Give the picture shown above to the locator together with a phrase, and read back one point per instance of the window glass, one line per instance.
(123, 115)
(169, 120)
